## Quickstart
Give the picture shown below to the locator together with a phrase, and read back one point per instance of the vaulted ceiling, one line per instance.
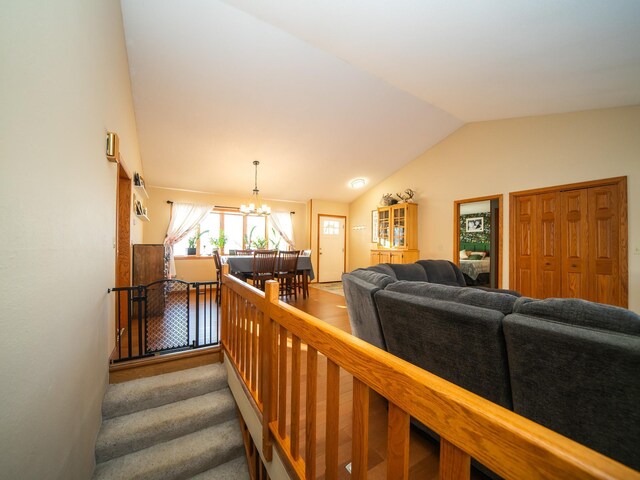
(324, 92)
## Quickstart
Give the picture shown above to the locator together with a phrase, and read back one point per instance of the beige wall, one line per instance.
(503, 156)
(321, 207)
(202, 269)
(65, 81)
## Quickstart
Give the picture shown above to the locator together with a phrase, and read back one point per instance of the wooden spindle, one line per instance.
(398, 443)
(256, 373)
(455, 464)
(295, 397)
(282, 385)
(310, 420)
(269, 368)
(360, 438)
(333, 420)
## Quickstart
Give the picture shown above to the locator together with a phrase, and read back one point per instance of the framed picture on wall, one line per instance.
(374, 226)
(475, 224)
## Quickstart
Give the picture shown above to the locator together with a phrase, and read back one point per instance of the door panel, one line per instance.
(575, 238)
(603, 219)
(548, 246)
(525, 254)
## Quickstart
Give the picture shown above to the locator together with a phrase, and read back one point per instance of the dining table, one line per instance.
(243, 264)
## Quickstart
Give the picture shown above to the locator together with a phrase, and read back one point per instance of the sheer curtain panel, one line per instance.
(184, 218)
(283, 224)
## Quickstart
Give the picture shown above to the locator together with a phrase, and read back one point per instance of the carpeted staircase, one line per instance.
(175, 426)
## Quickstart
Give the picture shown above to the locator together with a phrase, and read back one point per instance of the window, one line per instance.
(331, 227)
(240, 231)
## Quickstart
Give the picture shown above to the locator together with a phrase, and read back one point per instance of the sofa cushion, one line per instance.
(363, 313)
(378, 279)
(581, 382)
(573, 311)
(443, 272)
(501, 302)
(460, 343)
(382, 268)
(408, 271)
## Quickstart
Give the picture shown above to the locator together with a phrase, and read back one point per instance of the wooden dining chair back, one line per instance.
(302, 278)
(287, 272)
(264, 267)
(218, 262)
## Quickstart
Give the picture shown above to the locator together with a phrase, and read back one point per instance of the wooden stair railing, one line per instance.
(263, 338)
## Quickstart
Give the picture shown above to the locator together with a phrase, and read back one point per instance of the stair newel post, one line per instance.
(224, 311)
(268, 367)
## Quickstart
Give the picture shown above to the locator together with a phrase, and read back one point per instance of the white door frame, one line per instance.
(344, 249)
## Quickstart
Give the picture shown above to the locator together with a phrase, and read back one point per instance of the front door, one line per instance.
(331, 248)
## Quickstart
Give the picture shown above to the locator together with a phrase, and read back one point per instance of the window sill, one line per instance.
(193, 257)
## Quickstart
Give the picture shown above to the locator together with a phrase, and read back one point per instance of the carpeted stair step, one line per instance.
(235, 469)
(128, 397)
(128, 433)
(180, 458)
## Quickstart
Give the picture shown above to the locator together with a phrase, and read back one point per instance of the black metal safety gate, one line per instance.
(165, 316)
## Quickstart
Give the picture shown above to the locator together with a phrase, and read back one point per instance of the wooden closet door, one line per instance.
(604, 233)
(548, 246)
(575, 244)
(525, 253)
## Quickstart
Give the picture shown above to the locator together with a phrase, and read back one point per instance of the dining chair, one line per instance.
(287, 272)
(218, 263)
(264, 267)
(300, 274)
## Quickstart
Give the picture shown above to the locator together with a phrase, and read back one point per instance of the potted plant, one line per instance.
(259, 243)
(219, 242)
(193, 241)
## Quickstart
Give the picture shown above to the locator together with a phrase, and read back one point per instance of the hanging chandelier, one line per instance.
(256, 207)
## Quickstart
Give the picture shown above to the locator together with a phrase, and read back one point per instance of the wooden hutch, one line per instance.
(397, 234)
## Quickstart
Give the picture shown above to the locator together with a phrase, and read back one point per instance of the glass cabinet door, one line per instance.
(399, 226)
(383, 227)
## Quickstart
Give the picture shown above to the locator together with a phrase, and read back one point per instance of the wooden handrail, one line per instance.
(470, 426)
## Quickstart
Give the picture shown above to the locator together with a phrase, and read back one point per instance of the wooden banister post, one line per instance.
(266, 362)
(224, 314)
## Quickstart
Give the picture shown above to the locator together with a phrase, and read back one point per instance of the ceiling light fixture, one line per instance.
(358, 183)
(256, 207)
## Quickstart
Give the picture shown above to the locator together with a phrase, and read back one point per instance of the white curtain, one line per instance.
(283, 224)
(184, 218)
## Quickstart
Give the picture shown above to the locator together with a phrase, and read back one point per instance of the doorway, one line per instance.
(477, 245)
(331, 248)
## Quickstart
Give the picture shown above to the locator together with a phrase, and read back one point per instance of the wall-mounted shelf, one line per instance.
(138, 184)
(139, 209)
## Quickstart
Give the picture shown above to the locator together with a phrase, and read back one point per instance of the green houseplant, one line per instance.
(219, 242)
(193, 241)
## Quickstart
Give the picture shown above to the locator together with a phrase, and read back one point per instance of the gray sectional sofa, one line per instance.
(570, 365)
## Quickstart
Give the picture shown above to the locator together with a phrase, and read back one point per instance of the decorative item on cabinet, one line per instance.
(387, 199)
(406, 196)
